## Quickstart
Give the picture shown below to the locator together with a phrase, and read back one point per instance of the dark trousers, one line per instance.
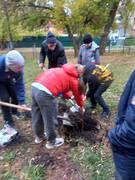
(118, 176)
(95, 94)
(8, 94)
(124, 160)
(44, 114)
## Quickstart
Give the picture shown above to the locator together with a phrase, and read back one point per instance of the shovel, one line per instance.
(65, 119)
(75, 107)
(15, 106)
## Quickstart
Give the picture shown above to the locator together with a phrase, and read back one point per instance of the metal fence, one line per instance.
(121, 46)
(30, 46)
(121, 49)
(30, 41)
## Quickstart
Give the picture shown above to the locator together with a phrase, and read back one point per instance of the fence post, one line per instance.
(129, 49)
(34, 52)
(109, 47)
(124, 46)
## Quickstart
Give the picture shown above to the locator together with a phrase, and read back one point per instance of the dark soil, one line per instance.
(85, 125)
(57, 162)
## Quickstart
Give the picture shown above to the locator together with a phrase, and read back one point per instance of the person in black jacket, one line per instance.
(99, 79)
(54, 50)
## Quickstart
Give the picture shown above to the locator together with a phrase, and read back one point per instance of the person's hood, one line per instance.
(50, 38)
(70, 70)
(94, 45)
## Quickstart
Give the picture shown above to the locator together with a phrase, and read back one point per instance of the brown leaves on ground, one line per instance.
(57, 162)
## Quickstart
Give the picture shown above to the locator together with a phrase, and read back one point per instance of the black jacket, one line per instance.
(56, 58)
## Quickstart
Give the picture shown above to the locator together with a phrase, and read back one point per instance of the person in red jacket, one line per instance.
(47, 86)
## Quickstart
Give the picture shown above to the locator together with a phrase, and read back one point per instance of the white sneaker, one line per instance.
(45, 135)
(58, 142)
(39, 140)
(9, 129)
(7, 134)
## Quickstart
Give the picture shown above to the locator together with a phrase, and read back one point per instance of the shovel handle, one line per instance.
(14, 106)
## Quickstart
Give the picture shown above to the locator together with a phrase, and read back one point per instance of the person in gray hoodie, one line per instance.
(89, 51)
(54, 50)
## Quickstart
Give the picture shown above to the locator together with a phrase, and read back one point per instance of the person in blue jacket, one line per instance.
(11, 83)
(122, 136)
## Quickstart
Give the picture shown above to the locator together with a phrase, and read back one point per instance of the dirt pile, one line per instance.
(85, 125)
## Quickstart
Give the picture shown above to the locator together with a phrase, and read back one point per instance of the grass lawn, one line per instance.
(94, 161)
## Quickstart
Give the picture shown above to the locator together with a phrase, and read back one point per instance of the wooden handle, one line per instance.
(15, 106)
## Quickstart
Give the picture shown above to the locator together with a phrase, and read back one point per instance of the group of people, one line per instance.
(98, 77)
(69, 81)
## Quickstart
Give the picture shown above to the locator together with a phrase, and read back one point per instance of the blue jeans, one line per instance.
(124, 160)
(118, 176)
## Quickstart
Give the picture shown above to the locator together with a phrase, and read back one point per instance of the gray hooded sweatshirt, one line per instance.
(89, 55)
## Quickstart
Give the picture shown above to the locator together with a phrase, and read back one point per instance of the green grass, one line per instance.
(94, 164)
(31, 70)
(121, 74)
(8, 176)
(9, 156)
(32, 172)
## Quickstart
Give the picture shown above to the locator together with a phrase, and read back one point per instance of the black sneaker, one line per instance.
(90, 107)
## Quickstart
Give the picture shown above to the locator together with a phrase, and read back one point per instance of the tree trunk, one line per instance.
(107, 27)
(8, 25)
(2, 45)
(73, 40)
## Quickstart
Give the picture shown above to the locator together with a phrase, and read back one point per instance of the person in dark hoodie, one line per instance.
(44, 105)
(54, 50)
(122, 136)
(11, 84)
(99, 79)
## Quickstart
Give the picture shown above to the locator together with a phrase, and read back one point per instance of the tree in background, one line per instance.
(76, 17)
(126, 11)
(34, 14)
(19, 17)
(112, 9)
(84, 16)
(9, 28)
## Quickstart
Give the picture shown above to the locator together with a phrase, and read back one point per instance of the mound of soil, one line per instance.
(85, 125)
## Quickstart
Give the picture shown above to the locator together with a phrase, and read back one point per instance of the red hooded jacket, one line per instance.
(62, 80)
